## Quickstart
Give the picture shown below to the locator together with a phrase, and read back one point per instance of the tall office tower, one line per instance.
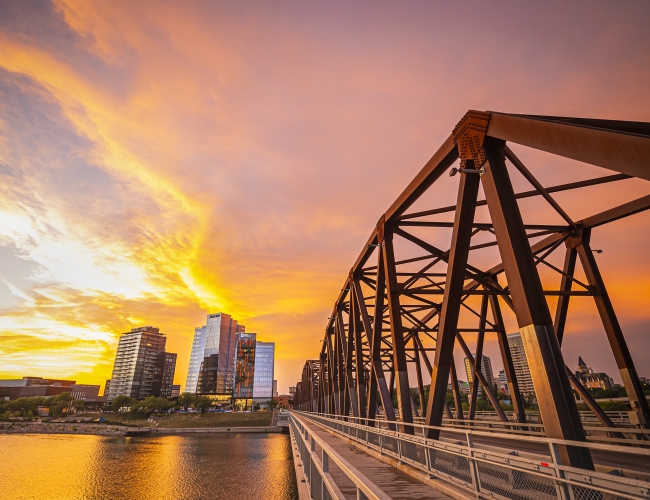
(486, 370)
(244, 367)
(136, 363)
(264, 374)
(164, 379)
(213, 354)
(519, 361)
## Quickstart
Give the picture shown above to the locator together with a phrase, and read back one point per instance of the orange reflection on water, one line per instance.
(193, 466)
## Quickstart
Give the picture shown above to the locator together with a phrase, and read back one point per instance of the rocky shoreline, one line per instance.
(59, 428)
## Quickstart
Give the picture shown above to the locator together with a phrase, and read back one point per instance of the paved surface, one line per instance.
(394, 483)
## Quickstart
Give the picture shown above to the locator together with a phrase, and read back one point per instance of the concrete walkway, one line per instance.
(394, 483)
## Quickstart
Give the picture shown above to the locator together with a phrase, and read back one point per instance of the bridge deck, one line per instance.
(394, 483)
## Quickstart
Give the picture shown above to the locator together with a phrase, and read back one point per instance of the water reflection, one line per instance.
(228, 466)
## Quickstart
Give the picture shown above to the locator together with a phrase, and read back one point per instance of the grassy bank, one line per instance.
(185, 420)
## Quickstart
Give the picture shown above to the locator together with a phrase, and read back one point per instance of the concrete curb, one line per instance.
(214, 430)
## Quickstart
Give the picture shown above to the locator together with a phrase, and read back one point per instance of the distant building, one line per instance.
(284, 400)
(107, 387)
(486, 370)
(463, 386)
(244, 369)
(520, 363)
(292, 390)
(164, 378)
(264, 371)
(29, 387)
(176, 391)
(592, 380)
(212, 359)
(275, 389)
(137, 372)
(502, 382)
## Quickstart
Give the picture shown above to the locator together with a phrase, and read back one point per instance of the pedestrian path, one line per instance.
(393, 482)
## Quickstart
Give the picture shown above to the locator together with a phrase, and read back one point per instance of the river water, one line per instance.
(192, 466)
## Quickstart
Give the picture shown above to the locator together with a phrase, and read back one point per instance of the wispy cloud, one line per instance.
(159, 161)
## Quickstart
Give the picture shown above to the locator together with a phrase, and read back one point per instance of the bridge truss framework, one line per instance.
(393, 312)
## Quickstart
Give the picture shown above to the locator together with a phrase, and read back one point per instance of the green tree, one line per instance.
(202, 403)
(78, 404)
(273, 404)
(123, 401)
(58, 404)
(186, 400)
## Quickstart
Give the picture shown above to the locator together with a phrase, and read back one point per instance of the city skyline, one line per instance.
(163, 163)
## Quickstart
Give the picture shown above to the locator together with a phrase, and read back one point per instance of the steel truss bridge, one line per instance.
(435, 275)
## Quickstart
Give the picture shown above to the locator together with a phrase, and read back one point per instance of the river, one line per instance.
(192, 466)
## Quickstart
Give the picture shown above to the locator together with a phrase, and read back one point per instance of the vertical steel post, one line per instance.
(357, 327)
(400, 368)
(562, 307)
(375, 358)
(479, 356)
(455, 390)
(348, 350)
(548, 372)
(456, 269)
(418, 374)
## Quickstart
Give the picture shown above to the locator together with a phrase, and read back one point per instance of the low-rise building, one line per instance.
(591, 380)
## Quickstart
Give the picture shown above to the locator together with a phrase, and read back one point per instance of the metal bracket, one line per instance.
(468, 136)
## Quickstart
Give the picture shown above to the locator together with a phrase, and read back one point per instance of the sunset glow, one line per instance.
(160, 161)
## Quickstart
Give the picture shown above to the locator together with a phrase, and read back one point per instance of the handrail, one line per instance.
(489, 471)
(369, 489)
(531, 439)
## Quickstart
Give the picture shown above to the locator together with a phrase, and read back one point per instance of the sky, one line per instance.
(160, 161)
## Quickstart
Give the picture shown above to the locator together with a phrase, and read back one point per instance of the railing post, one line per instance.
(427, 454)
(325, 461)
(399, 446)
(473, 467)
(564, 491)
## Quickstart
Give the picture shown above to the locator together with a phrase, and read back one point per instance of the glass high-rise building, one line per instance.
(264, 371)
(212, 359)
(244, 366)
(137, 371)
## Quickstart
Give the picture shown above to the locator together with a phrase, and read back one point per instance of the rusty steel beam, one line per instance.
(456, 270)
(362, 347)
(479, 357)
(556, 403)
(400, 369)
(619, 146)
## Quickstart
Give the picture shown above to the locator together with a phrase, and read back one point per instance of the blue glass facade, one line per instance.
(264, 370)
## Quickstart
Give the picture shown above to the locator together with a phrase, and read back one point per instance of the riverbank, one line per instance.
(61, 428)
(121, 430)
(186, 420)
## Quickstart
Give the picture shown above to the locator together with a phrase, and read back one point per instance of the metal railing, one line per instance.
(624, 433)
(487, 471)
(316, 467)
